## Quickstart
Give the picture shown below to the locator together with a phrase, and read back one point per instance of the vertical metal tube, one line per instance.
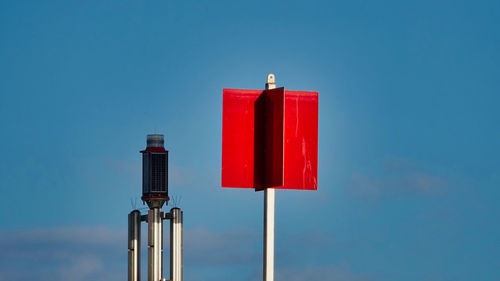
(134, 246)
(269, 207)
(155, 261)
(160, 238)
(176, 245)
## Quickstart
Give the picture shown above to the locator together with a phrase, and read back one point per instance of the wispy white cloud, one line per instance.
(99, 253)
(89, 235)
(323, 273)
(205, 247)
(396, 176)
(86, 268)
(315, 273)
(63, 253)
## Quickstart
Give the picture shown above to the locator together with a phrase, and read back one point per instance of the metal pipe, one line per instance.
(134, 246)
(269, 207)
(176, 244)
(155, 237)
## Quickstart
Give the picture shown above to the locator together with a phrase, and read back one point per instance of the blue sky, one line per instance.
(409, 169)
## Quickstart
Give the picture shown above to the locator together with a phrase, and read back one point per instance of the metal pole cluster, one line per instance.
(155, 244)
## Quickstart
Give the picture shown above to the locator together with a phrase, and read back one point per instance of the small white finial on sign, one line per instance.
(271, 82)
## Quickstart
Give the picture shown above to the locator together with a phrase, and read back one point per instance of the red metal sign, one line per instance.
(270, 139)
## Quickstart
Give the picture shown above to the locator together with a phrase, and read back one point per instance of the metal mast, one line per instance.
(269, 208)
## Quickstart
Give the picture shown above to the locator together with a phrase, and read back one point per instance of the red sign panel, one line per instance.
(301, 140)
(238, 140)
(270, 139)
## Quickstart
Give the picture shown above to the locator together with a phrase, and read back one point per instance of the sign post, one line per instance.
(269, 209)
(269, 141)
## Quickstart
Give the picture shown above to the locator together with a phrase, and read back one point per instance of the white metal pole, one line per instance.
(134, 246)
(176, 245)
(269, 207)
(155, 227)
(269, 202)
